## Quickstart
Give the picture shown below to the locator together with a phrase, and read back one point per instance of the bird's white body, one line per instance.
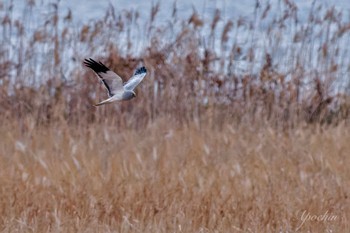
(117, 91)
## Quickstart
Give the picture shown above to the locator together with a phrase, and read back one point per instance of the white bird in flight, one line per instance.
(113, 82)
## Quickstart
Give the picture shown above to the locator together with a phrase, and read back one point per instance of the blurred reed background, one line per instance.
(194, 74)
(227, 133)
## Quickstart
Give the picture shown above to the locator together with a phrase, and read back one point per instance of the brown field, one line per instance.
(203, 147)
(165, 179)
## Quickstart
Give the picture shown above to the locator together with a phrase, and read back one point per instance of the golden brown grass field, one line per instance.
(167, 179)
(202, 148)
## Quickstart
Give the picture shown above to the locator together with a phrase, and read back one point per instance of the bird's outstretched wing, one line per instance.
(111, 80)
(135, 80)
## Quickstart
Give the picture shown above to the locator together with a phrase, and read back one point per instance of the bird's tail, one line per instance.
(107, 101)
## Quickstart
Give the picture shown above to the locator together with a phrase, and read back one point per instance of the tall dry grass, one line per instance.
(205, 147)
(165, 179)
(296, 74)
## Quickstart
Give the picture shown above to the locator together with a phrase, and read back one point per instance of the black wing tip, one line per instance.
(95, 66)
(140, 70)
(89, 62)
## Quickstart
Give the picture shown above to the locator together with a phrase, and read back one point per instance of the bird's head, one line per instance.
(128, 95)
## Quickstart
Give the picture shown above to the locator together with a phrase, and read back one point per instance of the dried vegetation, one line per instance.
(209, 144)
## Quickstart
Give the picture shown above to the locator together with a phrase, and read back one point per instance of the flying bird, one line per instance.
(116, 89)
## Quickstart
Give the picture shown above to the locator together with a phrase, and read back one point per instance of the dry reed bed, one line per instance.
(163, 179)
(296, 76)
(203, 148)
